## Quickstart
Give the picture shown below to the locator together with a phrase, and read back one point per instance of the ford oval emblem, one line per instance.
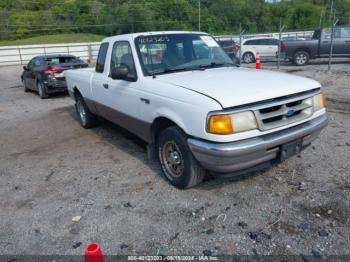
(290, 112)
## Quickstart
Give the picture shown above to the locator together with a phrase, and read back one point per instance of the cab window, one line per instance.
(122, 56)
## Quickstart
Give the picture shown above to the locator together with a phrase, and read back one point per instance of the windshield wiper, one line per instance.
(214, 64)
(173, 70)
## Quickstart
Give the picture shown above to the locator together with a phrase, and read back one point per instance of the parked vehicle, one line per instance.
(230, 47)
(197, 110)
(300, 52)
(266, 47)
(44, 74)
(293, 38)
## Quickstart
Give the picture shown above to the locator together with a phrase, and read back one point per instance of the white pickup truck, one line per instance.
(182, 94)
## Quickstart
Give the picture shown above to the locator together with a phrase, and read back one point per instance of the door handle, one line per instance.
(105, 86)
(145, 100)
(347, 41)
(325, 42)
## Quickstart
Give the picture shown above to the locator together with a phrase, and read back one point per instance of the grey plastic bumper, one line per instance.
(235, 156)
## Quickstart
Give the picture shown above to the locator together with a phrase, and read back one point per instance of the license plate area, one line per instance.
(290, 149)
(59, 75)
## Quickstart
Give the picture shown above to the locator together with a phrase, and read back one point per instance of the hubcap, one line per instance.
(301, 59)
(248, 58)
(172, 159)
(81, 112)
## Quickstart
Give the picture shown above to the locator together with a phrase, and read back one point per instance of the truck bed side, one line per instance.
(80, 79)
(310, 46)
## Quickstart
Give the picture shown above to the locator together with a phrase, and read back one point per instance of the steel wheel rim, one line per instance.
(81, 112)
(172, 159)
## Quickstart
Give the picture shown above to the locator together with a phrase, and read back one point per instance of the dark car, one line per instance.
(230, 47)
(300, 52)
(44, 74)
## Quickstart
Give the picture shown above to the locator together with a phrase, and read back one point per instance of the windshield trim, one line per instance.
(144, 70)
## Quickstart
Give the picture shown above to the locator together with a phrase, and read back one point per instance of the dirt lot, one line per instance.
(51, 170)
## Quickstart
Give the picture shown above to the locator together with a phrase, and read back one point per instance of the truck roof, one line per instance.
(132, 36)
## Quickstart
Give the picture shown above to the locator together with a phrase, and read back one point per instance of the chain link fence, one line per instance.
(294, 47)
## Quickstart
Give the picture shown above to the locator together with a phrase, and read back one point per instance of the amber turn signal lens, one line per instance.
(324, 100)
(220, 124)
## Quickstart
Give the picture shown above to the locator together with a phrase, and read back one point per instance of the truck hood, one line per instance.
(231, 86)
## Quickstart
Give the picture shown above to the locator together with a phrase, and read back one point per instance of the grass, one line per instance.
(54, 39)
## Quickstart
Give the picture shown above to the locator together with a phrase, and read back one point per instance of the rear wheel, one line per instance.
(248, 58)
(86, 118)
(41, 90)
(301, 58)
(178, 164)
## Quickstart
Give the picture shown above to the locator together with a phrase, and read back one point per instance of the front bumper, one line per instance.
(236, 156)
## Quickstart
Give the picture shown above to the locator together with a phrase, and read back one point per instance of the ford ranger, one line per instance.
(182, 94)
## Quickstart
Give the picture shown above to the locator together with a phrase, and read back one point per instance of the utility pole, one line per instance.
(321, 18)
(199, 15)
(240, 43)
(334, 23)
(281, 27)
(330, 14)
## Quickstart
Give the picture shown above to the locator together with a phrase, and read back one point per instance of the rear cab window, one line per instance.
(101, 58)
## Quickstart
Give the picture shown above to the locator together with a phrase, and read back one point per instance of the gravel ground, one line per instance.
(52, 170)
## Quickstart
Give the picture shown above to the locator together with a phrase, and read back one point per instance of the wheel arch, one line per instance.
(76, 91)
(305, 49)
(159, 124)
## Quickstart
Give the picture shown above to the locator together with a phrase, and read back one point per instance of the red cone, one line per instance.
(93, 253)
(257, 61)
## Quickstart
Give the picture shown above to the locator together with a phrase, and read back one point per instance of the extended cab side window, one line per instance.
(101, 58)
(122, 56)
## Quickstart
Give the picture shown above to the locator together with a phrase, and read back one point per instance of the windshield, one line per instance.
(160, 54)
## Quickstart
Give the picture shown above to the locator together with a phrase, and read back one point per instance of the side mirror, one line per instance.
(120, 72)
(25, 68)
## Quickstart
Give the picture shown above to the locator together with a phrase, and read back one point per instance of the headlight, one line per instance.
(319, 102)
(226, 124)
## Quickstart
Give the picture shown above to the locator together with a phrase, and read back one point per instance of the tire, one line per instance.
(24, 86)
(41, 90)
(86, 118)
(301, 58)
(178, 164)
(248, 58)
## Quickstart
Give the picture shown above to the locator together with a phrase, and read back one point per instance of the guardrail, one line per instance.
(19, 55)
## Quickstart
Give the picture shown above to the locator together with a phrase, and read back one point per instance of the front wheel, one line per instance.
(301, 58)
(248, 58)
(178, 164)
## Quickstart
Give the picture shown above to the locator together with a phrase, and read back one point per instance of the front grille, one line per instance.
(283, 113)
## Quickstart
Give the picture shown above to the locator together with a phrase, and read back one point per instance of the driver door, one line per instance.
(29, 76)
(120, 99)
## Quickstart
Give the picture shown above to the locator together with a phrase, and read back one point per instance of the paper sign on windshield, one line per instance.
(209, 41)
